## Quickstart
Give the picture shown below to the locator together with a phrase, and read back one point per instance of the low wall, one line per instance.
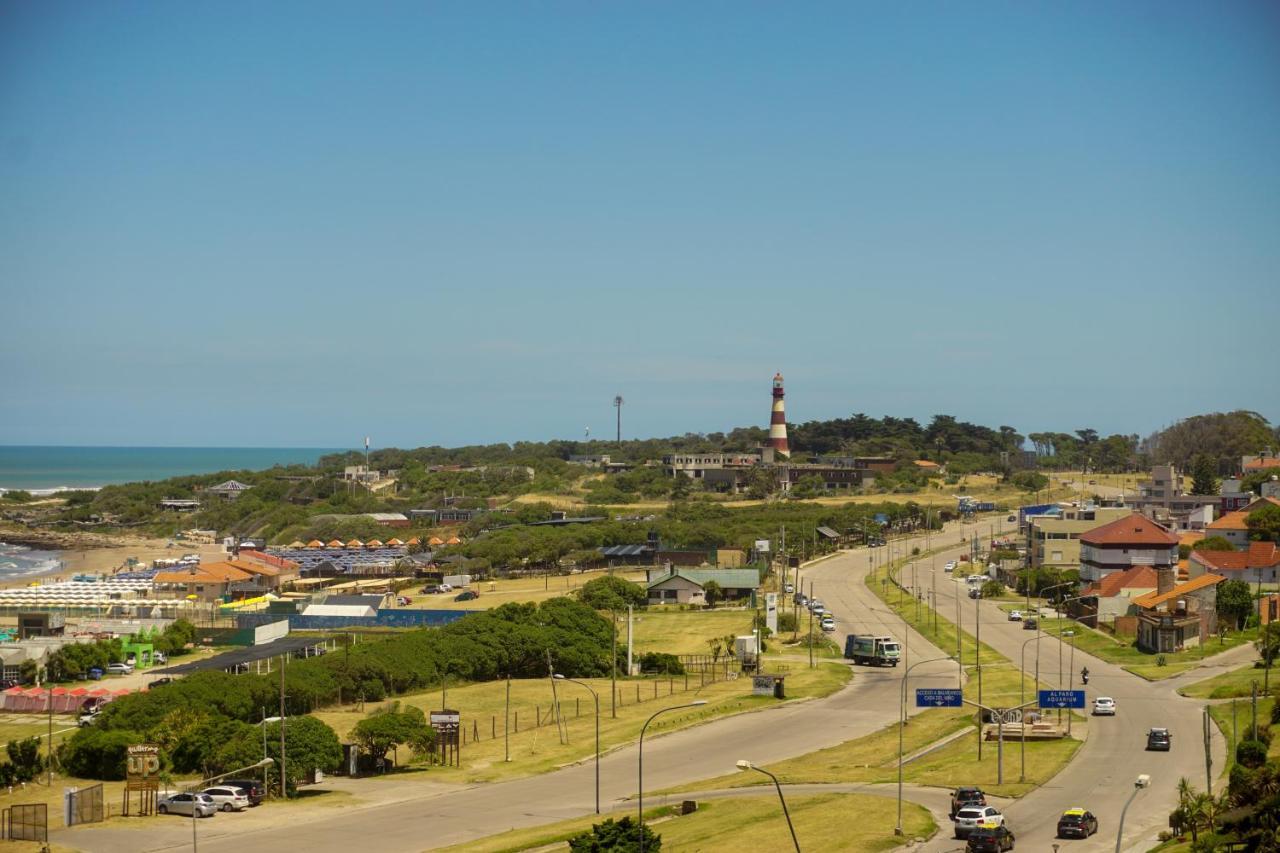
(385, 619)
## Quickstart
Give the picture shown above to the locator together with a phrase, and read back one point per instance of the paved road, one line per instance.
(1101, 775)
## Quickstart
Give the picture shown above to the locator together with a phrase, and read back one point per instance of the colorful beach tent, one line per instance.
(373, 543)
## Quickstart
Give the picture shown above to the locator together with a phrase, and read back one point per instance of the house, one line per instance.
(1234, 526)
(389, 519)
(1133, 540)
(1162, 499)
(687, 586)
(230, 490)
(1259, 563)
(1113, 596)
(1267, 460)
(180, 504)
(1053, 538)
(205, 581)
(1177, 616)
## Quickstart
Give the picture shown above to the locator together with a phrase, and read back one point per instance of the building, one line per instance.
(834, 478)
(360, 474)
(1264, 461)
(1133, 540)
(1114, 595)
(230, 490)
(686, 586)
(204, 581)
(1177, 616)
(1162, 500)
(180, 504)
(389, 519)
(1053, 538)
(1259, 562)
(871, 464)
(696, 465)
(778, 420)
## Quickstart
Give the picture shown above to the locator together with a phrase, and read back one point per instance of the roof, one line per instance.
(387, 516)
(925, 463)
(626, 550)
(828, 533)
(204, 573)
(355, 600)
(1263, 463)
(1138, 577)
(245, 655)
(726, 578)
(357, 611)
(1259, 555)
(1231, 521)
(1135, 529)
(1190, 537)
(1152, 599)
(229, 486)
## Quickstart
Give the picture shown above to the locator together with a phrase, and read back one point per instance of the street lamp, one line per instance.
(747, 765)
(902, 723)
(1022, 693)
(192, 790)
(640, 811)
(596, 697)
(1143, 781)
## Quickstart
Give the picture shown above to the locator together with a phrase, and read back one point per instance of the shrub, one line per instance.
(612, 593)
(992, 589)
(661, 662)
(25, 759)
(97, 753)
(1251, 753)
(623, 836)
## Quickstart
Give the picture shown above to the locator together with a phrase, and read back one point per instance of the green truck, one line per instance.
(871, 650)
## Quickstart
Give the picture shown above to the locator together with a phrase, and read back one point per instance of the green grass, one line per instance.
(1234, 683)
(1222, 715)
(685, 632)
(751, 822)
(539, 750)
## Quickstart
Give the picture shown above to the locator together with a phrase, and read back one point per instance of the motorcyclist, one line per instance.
(1084, 675)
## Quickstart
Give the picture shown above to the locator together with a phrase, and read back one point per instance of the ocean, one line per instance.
(18, 560)
(43, 470)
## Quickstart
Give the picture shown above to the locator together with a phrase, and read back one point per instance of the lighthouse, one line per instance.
(778, 420)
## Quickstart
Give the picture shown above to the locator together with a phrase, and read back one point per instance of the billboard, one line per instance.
(771, 611)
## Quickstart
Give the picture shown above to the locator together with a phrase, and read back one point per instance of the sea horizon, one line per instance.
(48, 469)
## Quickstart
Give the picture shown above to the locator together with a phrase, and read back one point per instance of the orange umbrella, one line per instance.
(414, 541)
(394, 543)
(355, 543)
(435, 540)
(336, 543)
(315, 543)
(454, 540)
(373, 543)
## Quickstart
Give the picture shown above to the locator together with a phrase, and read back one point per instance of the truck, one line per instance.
(871, 650)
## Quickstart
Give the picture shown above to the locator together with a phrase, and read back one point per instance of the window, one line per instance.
(1057, 556)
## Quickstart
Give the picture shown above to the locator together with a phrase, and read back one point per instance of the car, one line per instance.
(976, 592)
(159, 682)
(990, 839)
(1159, 740)
(228, 798)
(828, 624)
(1030, 624)
(404, 600)
(1077, 823)
(87, 718)
(819, 612)
(252, 788)
(6, 683)
(1015, 615)
(1012, 517)
(430, 589)
(94, 674)
(970, 818)
(92, 703)
(968, 796)
(159, 657)
(788, 588)
(799, 598)
(950, 566)
(119, 669)
(446, 587)
(467, 595)
(1104, 706)
(185, 804)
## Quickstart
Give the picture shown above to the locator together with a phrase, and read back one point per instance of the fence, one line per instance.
(85, 806)
(26, 822)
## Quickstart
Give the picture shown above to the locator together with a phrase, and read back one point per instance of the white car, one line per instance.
(184, 804)
(950, 567)
(158, 657)
(789, 588)
(819, 612)
(1015, 615)
(828, 623)
(227, 798)
(119, 669)
(1104, 706)
(87, 718)
(815, 604)
(970, 818)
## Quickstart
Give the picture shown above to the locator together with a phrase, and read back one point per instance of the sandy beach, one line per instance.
(105, 560)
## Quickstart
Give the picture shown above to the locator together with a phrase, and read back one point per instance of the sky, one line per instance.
(300, 223)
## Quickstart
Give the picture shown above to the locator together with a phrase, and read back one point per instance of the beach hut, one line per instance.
(336, 543)
(414, 540)
(355, 543)
(295, 544)
(373, 543)
(394, 543)
(434, 541)
(12, 698)
(315, 543)
(454, 540)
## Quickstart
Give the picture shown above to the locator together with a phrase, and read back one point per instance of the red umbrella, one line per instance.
(15, 690)
(59, 691)
(79, 691)
(100, 691)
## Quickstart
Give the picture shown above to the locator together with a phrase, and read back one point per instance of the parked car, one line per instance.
(94, 674)
(1159, 739)
(789, 588)
(819, 612)
(404, 600)
(119, 669)
(185, 804)
(159, 682)
(92, 703)
(990, 839)
(430, 589)
(467, 595)
(1077, 823)
(1104, 706)
(970, 818)
(228, 798)
(1030, 624)
(86, 718)
(446, 587)
(1015, 615)
(1012, 517)
(6, 683)
(950, 566)
(252, 789)
(962, 797)
(159, 657)
(828, 623)
(976, 592)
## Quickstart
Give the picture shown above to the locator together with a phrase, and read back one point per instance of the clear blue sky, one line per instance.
(301, 223)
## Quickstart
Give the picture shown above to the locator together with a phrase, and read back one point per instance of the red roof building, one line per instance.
(1259, 563)
(1134, 540)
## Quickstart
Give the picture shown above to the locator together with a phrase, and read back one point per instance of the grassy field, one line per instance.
(1234, 683)
(685, 632)
(1239, 729)
(498, 592)
(756, 823)
(538, 749)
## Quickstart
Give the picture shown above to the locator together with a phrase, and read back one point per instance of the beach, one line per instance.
(97, 554)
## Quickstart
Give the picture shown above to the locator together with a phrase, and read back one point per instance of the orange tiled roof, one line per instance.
(1260, 555)
(1231, 521)
(1152, 599)
(1138, 577)
(1263, 464)
(1190, 537)
(925, 463)
(204, 573)
(1135, 529)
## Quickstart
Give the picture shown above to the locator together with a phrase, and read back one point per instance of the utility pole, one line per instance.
(284, 787)
(977, 660)
(1208, 757)
(617, 404)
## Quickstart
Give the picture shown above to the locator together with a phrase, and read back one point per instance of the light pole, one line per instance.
(640, 809)
(596, 697)
(193, 791)
(747, 765)
(1022, 695)
(902, 724)
(1141, 782)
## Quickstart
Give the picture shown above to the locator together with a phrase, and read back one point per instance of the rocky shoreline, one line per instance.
(56, 540)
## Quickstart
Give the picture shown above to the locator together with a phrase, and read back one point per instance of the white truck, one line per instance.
(872, 650)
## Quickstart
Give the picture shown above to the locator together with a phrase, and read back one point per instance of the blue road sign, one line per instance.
(929, 697)
(1061, 698)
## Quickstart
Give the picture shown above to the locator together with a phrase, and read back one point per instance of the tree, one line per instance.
(712, 593)
(611, 592)
(680, 487)
(1268, 643)
(25, 758)
(1213, 543)
(1264, 524)
(309, 745)
(1029, 481)
(1204, 475)
(389, 727)
(623, 836)
(992, 589)
(1235, 602)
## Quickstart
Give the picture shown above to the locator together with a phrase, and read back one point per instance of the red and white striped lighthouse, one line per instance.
(778, 420)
